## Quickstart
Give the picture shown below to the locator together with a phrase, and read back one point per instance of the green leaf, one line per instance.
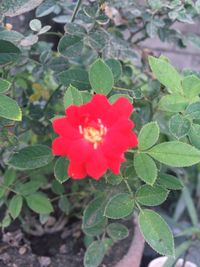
(98, 39)
(179, 126)
(166, 74)
(151, 195)
(193, 111)
(76, 77)
(156, 232)
(114, 179)
(145, 168)
(39, 203)
(114, 97)
(169, 181)
(74, 29)
(28, 187)
(2, 191)
(9, 177)
(173, 103)
(70, 46)
(57, 188)
(64, 204)
(72, 96)
(94, 254)
(6, 221)
(101, 77)
(9, 53)
(4, 85)
(31, 157)
(119, 206)
(115, 67)
(14, 8)
(108, 243)
(11, 36)
(45, 8)
(191, 86)
(15, 206)
(117, 231)
(175, 154)
(151, 28)
(86, 96)
(9, 109)
(35, 25)
(93, 219)
(194, 134)
(148, 135)
(155, 4)
(60, 169)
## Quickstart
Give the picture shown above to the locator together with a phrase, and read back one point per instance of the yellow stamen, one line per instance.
(92, 134)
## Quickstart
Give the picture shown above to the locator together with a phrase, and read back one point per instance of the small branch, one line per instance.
(59, 34)
(135, 252)
(128, 186)
(140, 39)
(76, 10)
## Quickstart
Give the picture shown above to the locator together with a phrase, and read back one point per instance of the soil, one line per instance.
(62, 249)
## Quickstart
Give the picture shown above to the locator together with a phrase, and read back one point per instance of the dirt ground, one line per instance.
(62, 249)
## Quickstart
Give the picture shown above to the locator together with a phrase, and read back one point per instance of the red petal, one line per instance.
(80, 150)
(132, 139)
(74, 115)
(123, 125)
(60, 146)
(114, 165)
(98, 107)
(76, 170)
(97, 165)
(121, 108)
(114, 144)
(62, 127)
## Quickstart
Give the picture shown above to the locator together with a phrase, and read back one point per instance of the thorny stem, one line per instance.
(76, 10)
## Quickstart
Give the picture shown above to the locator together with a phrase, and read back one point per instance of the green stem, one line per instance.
(76, 10)
(68, 194)
(10, 189)
(54, 33)
(132, 151)
(139, 207)
(122, 89)
(128, 187)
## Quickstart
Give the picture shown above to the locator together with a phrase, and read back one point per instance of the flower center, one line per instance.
(93, 134)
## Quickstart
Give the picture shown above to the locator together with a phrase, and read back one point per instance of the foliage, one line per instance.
(99, 51)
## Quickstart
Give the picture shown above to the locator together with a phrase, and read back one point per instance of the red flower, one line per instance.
(94, 136)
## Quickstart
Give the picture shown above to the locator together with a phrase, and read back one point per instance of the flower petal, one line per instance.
(121, 108)
(76, 170)
(114, 144)
(74, 115)
(114, 164)
(97, 108)
(80, 150)
(60, 146)
(62, 127)
(97, 165)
